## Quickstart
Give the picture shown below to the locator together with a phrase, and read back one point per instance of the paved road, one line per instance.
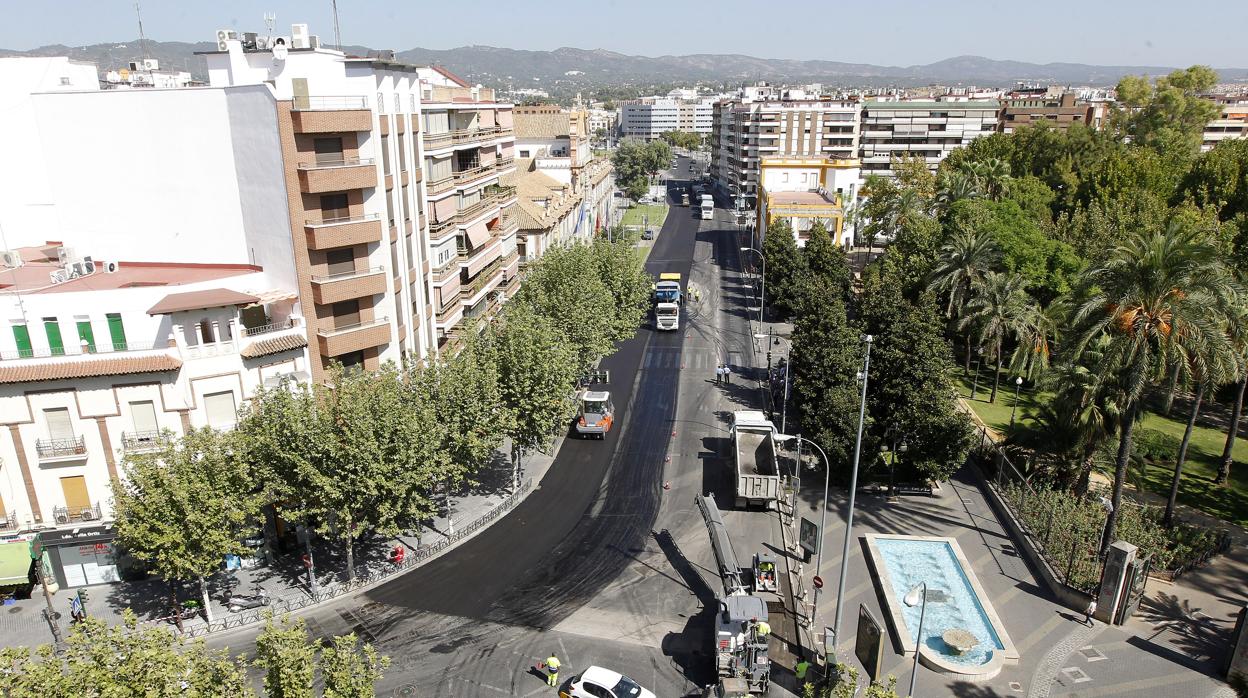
(601, 564)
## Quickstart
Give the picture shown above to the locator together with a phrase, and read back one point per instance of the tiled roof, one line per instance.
(198, 300)
(61, 369)
(274, 345)
(540, 125)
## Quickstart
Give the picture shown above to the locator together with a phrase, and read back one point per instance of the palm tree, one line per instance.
(1084, 407)
(991, 176)
(903, 209)
(1237, 330)
(998, 311)
(1154, 292)
(963, 261)
(1037, 339)
(954, 187)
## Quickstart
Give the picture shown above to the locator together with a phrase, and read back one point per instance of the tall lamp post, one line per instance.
(916, 596)
(1018, 383)
(892, 466)
(823, 512)
(853, 490)
(762, 289)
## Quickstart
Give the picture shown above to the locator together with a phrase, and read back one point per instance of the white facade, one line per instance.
(27, 203)
(926, 129)
(1232, 122)
(650, 118)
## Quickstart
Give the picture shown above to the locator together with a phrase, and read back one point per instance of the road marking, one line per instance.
(567, 658)
(1131, 687)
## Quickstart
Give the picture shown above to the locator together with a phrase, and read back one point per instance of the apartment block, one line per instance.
(777, 124)
(1232, 122)
(1058, 109)
(926, 129)
(651, 117)
(557, 139)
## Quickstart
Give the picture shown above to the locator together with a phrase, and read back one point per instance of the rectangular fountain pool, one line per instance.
(955, 601)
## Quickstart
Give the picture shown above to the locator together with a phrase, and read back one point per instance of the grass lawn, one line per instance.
(654, 214)
(1228, 503)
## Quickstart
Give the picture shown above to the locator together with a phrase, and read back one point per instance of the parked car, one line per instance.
(648, 234)
(647, 199)
(597, 682)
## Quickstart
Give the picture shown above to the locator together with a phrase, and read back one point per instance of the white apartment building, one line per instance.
(556, 139)
(777, 124)
(926, 129)
(1232, 122)
(602, 120)
(651, 117)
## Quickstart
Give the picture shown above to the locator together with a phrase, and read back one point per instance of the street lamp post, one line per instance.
(823, 513)
(1018, 383)
(853, 488)
(771, 338)
(912, 599)
(762, 289)
(975, 383)
(892, 466)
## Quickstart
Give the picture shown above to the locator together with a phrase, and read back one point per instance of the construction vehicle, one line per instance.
(740, 649)
(595, 413)
(728, 688)
(754, 459)
(764, 572)
(669, 289)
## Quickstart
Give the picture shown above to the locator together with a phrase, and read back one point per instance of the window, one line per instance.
(346, 313)
(222, 413)
(86, 338)
(390, 207)
(328, 151)
(334, 206)
(116, 331)
(59, 425)
(206, 333)
(64, 82)
(385, 154)
(407, 205)
(77, 499)
(524, 153)
(53, 329)
(143, 415)
(402, 154)
(351, 362)
(21, 337)
(340, 261)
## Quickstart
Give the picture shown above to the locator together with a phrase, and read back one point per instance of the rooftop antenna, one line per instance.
(269, 20)
(142, 39)
(337, 34)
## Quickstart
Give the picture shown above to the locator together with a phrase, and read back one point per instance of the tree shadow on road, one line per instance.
(1200, 639)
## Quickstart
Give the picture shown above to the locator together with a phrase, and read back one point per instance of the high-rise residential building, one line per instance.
(804, 190)
(777, 124)
(651, 117)
(1057, 108)
(925, 129)
(1232, 121)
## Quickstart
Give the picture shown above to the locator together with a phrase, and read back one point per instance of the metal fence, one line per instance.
(365, 576)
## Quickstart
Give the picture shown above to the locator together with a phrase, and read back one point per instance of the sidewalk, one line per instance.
(286, 580)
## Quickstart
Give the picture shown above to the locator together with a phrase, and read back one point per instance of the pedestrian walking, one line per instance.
(800, 671)
(1089, 612)
(552, 670)
(719, 373)
(727, 375)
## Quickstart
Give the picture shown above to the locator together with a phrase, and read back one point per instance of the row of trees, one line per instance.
(636, 161)
(909, 394)
(371, 452)
(1105, 265)
(127, 660)
(683, 139)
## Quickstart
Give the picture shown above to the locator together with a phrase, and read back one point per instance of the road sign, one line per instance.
(808, 536)
(869, 645)
(818, 582)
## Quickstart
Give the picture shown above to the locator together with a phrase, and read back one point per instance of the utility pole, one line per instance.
(337, 33)
(142, 38)
(853, 487)
(47, 597)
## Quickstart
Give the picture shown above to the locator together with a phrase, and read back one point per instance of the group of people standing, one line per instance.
(723, 374)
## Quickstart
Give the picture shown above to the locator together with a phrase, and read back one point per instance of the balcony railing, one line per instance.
(142, 441)
(472, 173)
(335, 162)
(484, 277)
(80, 350)
(437, 186)
(64, 515)
(342, 329)
(466, 135)
(271, 327)
(8, 522)
(208, 350)
(445, 271)
(346, 275)
(61, 448)
(329, 103)
(341, 220)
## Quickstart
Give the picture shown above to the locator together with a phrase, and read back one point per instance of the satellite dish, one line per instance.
(279, 49)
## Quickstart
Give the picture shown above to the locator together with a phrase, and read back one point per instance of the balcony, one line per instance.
(61, 450)
(269, 328)
(341, 232)
(491, 273)
(209, 350)
(448, 139)
(9, 522)
(467, 95)
(142, 441)
(446, 271)
(80, 350)
(354, 337)
(473, 174)
(330, 114)
(333, 288)
(64, 515)
(338, 174)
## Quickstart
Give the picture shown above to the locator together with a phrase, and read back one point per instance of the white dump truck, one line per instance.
(708, 207)
(754, 459)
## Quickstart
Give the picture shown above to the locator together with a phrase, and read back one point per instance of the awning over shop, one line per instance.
(15, 563)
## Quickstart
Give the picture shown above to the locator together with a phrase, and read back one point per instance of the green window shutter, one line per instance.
(55, 343)
(21, 335)
(86, 335)
(116, 331)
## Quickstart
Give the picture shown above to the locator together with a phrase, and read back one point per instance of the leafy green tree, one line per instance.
(537, 368)
(953, 187)
(826, 261)
(351, 670)
(121, 660)
(1237, 334)
(1170, 113)
(826, 356)
(997, 311)
(845, 685)
(636, 161)
(786, 268)
(287, 657)
(1156, 294)
(963, 262)
(1047, 265)
(913, 254)
(183, 508)
(991, 176)
(912, 173)
(565, 286)
(683, 139)
(625, 278)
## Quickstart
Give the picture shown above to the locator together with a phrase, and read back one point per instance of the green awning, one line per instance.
(15, 563)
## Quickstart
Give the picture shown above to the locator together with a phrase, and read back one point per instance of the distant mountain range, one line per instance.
(574, 67)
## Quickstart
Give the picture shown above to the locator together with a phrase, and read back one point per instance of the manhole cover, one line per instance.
(1076, 675)
(407, 689)
(1016, 687)
(1092, 654)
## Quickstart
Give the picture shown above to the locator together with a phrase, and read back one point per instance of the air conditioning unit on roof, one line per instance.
(299, 35)
(12, 259)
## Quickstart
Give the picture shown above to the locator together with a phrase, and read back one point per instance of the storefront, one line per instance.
(82, 556)
(15, 562)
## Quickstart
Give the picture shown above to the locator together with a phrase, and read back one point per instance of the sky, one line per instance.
(883, 32)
